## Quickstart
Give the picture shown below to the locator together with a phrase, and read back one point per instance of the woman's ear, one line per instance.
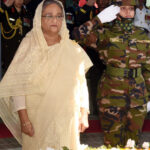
(118, 17)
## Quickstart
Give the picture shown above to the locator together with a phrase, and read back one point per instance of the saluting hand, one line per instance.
(109, 14)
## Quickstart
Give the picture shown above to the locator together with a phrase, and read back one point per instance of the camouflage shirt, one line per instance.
(120, 46)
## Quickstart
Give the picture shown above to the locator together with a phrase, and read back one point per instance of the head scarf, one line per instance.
(34, 67)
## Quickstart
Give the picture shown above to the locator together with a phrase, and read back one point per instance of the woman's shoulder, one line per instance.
(27, 38)
(28, 42)
(76, 46)
(78, 49)
(80, 54)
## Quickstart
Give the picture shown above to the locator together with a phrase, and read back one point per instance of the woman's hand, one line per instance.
(26, 125)
(83, 121)
(27, 128)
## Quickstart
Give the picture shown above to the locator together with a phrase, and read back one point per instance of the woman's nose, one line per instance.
(54, 19)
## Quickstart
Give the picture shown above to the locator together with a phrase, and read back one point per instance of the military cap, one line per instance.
(125, 2)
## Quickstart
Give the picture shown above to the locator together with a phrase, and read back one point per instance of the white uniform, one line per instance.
(141, 20)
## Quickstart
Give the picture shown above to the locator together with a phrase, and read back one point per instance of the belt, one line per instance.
(123, 72)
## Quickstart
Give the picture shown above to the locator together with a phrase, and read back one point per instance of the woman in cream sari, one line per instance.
(43, 95)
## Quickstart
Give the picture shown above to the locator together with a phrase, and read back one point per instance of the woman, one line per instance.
(124, 88)
(46, 84)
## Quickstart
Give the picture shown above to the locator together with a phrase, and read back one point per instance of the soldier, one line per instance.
(70, 9)
(15, 22)
(142, 17)
(85, 13)
(124, 88)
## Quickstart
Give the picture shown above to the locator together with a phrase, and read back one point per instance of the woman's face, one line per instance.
(52, 17)
(18, 3)
(127, 11)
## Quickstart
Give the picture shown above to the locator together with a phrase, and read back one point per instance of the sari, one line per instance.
(52, 79)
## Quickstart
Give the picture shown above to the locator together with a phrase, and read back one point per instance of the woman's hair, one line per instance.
(48, 2)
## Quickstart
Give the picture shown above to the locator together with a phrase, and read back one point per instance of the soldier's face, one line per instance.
(52, 17)
(91, 2)
(18, 3)
(127, 11)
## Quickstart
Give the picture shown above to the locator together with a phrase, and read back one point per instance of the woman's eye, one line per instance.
(122, 8)
(131, 8)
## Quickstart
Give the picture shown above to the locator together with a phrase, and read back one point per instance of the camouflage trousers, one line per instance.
(121, 123)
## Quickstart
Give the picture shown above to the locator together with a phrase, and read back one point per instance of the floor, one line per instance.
(92, 139)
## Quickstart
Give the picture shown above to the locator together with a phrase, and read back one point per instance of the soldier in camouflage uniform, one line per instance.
(124, 88)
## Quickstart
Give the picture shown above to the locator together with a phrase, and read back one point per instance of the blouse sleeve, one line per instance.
(18, 103)
(84, 67)
(84, 99)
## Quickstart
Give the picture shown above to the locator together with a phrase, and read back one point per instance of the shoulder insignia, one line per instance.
(1, 10)
(82, 10)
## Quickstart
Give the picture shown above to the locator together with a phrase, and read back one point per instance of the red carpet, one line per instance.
(4, 132)
(94, 127)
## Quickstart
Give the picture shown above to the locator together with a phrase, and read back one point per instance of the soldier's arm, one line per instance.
(88, 34)
(146, 71)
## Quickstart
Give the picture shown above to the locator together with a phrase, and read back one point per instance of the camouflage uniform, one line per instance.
(124, 88)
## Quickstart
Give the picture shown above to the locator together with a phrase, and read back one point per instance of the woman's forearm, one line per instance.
(23, 115)
(26, 125)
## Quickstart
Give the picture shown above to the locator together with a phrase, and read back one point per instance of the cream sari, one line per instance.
(52, 79)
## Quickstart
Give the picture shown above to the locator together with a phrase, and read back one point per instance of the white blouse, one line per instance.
(18, 103)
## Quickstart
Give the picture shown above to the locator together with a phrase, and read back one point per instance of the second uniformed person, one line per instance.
(85, 13)
(15, 22)
(124, 88)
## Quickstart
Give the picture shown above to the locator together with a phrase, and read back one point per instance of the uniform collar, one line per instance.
(125, 24)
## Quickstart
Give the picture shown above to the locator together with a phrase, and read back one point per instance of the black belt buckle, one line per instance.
(131, 73)
(126, 73)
